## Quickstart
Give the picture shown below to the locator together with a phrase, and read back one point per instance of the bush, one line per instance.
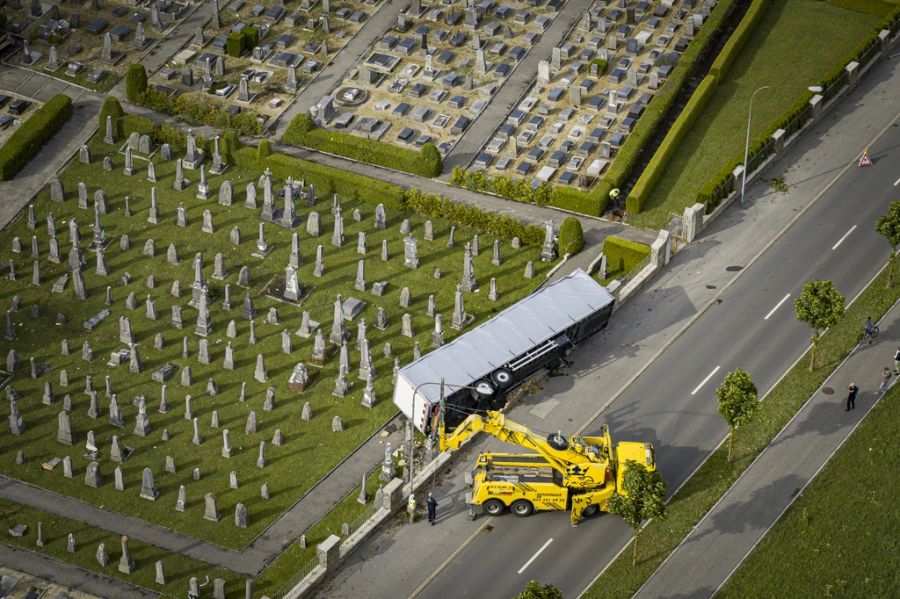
(622, 255)
(736, 42)
(302, 131)
(201, 111)
(571, 236)
(229, 143)
(601, 65)
(233, 44)
(111, 108)
(28, 139)
(135, 83)
(518, 190)
(680, 128)
(263, 150)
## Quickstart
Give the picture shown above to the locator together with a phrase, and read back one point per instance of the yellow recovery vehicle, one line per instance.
(579, 474)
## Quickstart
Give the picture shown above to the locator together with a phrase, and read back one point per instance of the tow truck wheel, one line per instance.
(522, 508)
(502, 377)
(493, 507)
(590, 511)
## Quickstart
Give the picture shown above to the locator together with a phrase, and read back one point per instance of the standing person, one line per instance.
(851, 397)
(411, 508)
(897, 361)
(870, 329)
(431, 504)
(885, 377)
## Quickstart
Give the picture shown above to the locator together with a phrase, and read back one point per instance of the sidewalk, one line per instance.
(730, 531)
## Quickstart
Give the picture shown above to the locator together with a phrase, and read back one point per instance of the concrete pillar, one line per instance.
(692, 220)
(392, 494)
(328, 552)
(817, 106)
(778, 140)
(884, 38)
(661, 249)
(738, 173)
(852, 73)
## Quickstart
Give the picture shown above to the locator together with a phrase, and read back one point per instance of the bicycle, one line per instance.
(870, 334)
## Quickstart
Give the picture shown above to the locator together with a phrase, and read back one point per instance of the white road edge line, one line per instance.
(778, 305)
(897, 182)
(704, 381)
(534, 557)
(841, 240)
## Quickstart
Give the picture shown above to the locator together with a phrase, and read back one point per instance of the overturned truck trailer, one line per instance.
(496, 356)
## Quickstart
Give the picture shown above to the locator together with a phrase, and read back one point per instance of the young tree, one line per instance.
(533, 590)
(571, 236)
(820, 305)
(135, 82)
(737, 402)
(888, 224)
(642, 496)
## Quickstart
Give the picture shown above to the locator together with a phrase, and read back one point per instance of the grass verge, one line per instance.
(815, 35)
(716, 475)
(814, 551)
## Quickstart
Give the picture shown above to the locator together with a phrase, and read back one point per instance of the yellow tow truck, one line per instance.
(578, 474)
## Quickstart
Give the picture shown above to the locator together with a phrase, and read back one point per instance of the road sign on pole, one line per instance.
(865, 159)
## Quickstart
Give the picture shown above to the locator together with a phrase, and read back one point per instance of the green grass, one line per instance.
(101, 87)
(716, 475)
(795, 45)
(310, 449)
(177, 568)
(839, 538)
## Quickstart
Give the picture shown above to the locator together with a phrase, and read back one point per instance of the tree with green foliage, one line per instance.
(737, 402)
(432, 163)
(888, 224)
(641, 497)
(111, 108)
(533, 590)
(263, 150)
(135, 82)
(230, 144)
(571, 236)
(820, 305)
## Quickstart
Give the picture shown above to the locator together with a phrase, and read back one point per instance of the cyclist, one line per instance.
(871, 330)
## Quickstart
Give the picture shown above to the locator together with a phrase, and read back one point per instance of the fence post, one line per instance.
(852, 73)
(392, 494)
(778, 141)
(328, 552)
(661, 249)
(693, 218)
(884, 37)
(817, 106)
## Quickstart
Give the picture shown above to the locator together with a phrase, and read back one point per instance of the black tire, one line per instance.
(493, 507)
(484, 389)
(502, 377)
(590, 510)
(522, 508)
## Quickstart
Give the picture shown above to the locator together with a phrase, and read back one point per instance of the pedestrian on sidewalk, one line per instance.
(851, 397)
(885, 377)
(897, 361)
(411, 508)
(431, 504)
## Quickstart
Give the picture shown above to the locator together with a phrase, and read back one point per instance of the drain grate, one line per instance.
(828, 390)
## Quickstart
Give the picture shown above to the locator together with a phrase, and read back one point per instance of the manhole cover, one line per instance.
(733, 268)
(827, 390)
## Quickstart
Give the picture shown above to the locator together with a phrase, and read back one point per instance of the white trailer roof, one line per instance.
(536, 318)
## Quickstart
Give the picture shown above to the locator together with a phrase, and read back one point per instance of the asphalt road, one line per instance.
(673, 402)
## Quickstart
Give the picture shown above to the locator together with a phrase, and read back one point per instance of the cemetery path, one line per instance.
(329, 77)
(71, 576)
(518, 83)
(164, 538)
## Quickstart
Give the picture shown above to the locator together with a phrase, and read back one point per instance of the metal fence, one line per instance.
(367, 513)
(832, 89)
(294, 580)
(869, 55)
(631, 274)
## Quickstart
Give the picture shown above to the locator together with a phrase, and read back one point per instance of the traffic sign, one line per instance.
(865, 159)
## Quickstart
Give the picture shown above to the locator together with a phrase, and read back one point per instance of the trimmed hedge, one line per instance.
(135, 83)
(871, 7)
(229, 143)
(28, 139)
(739, 38)
(583, 202)
(622, 255)
(627, 157)
(571, 236)
(302, 131)
(112, 108)
(657, 165)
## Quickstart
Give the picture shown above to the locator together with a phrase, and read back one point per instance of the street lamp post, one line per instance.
(813, 88)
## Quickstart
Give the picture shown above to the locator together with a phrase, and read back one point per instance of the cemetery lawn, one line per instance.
(839, 538)
(796, 44)
(177, 568)
(310, 449)
(715, 476)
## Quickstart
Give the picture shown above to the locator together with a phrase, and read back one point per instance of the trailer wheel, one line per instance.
(502, 377)
(522, 508)
(493, 507)
(484, 389)
(590, 510)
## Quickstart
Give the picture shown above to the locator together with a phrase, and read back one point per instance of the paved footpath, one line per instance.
(730, 531)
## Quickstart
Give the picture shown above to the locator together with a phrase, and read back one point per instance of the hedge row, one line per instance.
(28, 139)
(657, 165)
(628, 155)
(739, 38)
(871, 7)
(720, 185)
(426, 162)
(582, 202)
(622, 255)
